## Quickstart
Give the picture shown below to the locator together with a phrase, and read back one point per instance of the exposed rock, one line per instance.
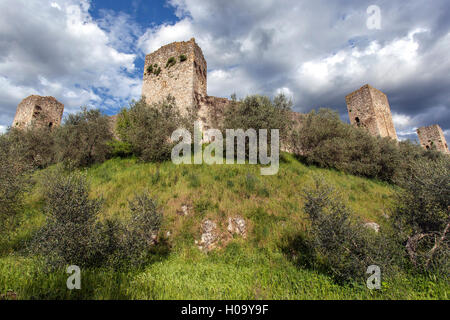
(209, 236)
(238, 226)
(184, 211)
(372, 225)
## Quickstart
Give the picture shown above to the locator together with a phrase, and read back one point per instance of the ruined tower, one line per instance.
(178, 69)
(369, 108)
(433, 136)
(38, 111)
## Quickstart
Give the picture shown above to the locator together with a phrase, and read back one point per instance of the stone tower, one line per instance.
(369, 108)
(38, 111)
(433, 136)
(178, 69)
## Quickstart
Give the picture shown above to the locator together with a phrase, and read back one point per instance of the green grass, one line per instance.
(257, 267)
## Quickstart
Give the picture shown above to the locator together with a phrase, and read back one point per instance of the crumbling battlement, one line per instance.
(38, 111)
(432, 136)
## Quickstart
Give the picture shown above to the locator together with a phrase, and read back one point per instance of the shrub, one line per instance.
(171, 62)
(324, 140)
(148, 128)
(423, 215)
(142, 230)
(259, 112)
(84, 137)
(13, 180)
(183, 58)
(153, 69)
(70, 235)
(36, 146)
(120, 148)
(73, 235)
(342, 246)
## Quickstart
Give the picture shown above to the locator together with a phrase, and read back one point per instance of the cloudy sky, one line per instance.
(90, 52)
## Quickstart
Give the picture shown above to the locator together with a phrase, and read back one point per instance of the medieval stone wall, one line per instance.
(38, 111)
(369, 108)
(433, 136)
(179, 69)
(212, 111)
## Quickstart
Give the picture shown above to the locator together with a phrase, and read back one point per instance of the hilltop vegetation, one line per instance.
(265, 265)
(135, 226)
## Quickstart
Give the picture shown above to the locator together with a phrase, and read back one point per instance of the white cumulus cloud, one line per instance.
(56, 48)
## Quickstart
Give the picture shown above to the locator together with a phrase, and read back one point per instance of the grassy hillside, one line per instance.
(261, 266)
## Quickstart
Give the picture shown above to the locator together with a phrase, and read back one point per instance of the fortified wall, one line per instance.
(179, 69)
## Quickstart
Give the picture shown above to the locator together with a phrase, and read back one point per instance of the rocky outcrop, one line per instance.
(237, 226)
(209, 236)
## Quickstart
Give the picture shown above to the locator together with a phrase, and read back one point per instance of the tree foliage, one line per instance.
(148, 128)
(84, 138)
(423, 214)
(324, 140)
(259, 112)
(73, 234)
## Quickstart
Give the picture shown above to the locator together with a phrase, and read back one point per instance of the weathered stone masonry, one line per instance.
(38, 111)
(369, 108)
(433, 136)
(180, 69)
